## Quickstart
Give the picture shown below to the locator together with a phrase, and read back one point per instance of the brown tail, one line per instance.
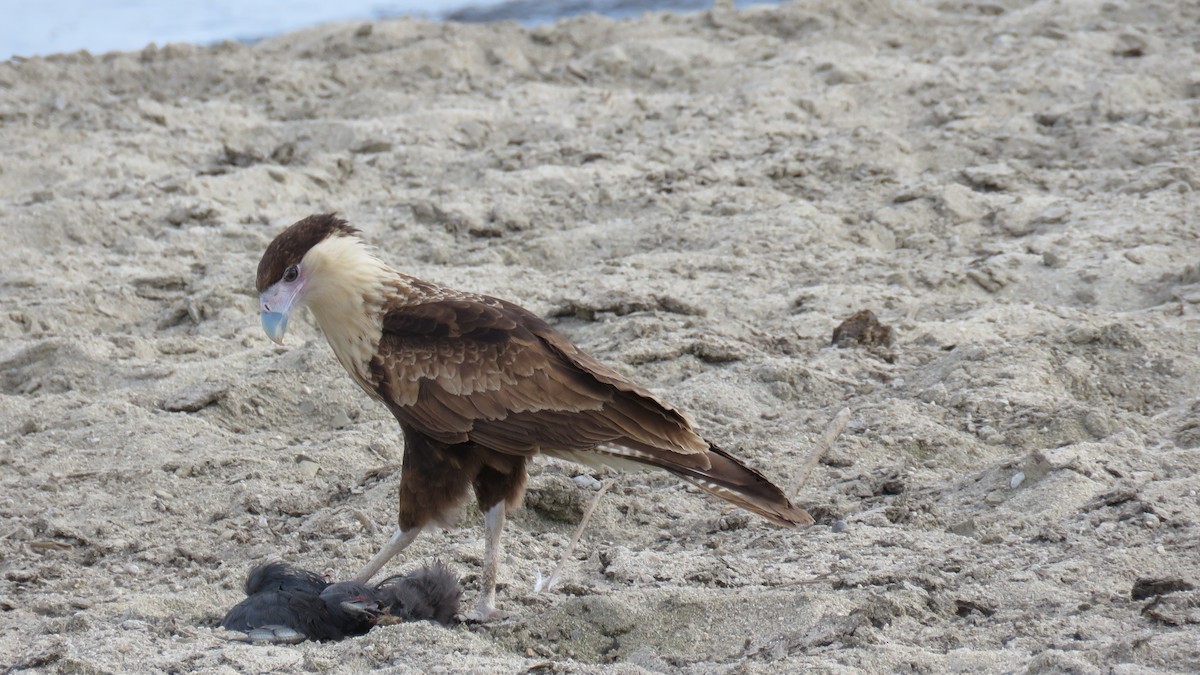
(728, 478)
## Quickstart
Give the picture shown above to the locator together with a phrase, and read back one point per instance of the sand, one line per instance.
(698, 200)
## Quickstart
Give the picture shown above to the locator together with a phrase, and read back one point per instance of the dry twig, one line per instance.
(548, 583)
(832, 430)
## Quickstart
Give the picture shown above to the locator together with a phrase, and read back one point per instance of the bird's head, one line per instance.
(353, 601)
(293, 264)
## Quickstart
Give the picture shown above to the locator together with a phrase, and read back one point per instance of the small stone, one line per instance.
(20, 575)
(372, 147)
(835, 75)
(1017, 479)
(1131, 46)
(959, 204)
(586, 482)
(383, 450)
(340, 420)
(863, 328)
(1147, 587)
(991, 177)
(1052, 259)
(735, 520)
(555, 497)
(196, 398)
(1052, 215)
(838, 527)
(153, 111)
(837, 458)
(1097, 424)
(965, 528)
(308, 468)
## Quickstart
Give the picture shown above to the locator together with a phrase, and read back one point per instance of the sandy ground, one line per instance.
(697, 200)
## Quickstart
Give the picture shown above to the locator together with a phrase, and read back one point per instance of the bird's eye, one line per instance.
(291, 273)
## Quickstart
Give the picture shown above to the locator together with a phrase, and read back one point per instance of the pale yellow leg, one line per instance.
(399, 541)
(485, 608)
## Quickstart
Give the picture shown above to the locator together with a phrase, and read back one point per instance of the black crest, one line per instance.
(289, 246)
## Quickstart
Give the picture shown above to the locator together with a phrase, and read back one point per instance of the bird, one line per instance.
(287, 604)
(479, 386)
(432, 593)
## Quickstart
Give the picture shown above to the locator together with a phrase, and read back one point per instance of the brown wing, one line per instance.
(474, 368)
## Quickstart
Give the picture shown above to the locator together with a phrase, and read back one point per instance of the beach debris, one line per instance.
(832, 430)
(864, 329)
(547, 583)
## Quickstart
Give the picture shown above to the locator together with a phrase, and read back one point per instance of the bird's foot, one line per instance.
(273, 634)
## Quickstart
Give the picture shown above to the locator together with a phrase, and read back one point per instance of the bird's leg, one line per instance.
(399, 541)
(493, 523)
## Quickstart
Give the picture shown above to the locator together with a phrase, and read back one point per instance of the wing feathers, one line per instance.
(475, 369)
(480, 366)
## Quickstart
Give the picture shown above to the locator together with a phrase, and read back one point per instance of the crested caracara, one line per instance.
(479, 386)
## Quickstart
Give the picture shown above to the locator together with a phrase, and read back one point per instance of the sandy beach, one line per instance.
(696, 200)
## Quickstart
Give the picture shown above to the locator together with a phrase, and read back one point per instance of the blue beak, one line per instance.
(275, 305)
(275, 325)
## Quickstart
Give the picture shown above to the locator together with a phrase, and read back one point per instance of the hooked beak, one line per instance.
(274, 306)
(360, 607)
(275, 324)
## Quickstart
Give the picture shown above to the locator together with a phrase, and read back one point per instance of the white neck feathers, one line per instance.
(345, 292)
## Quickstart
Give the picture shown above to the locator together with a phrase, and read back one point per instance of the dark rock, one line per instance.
(863, 329)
